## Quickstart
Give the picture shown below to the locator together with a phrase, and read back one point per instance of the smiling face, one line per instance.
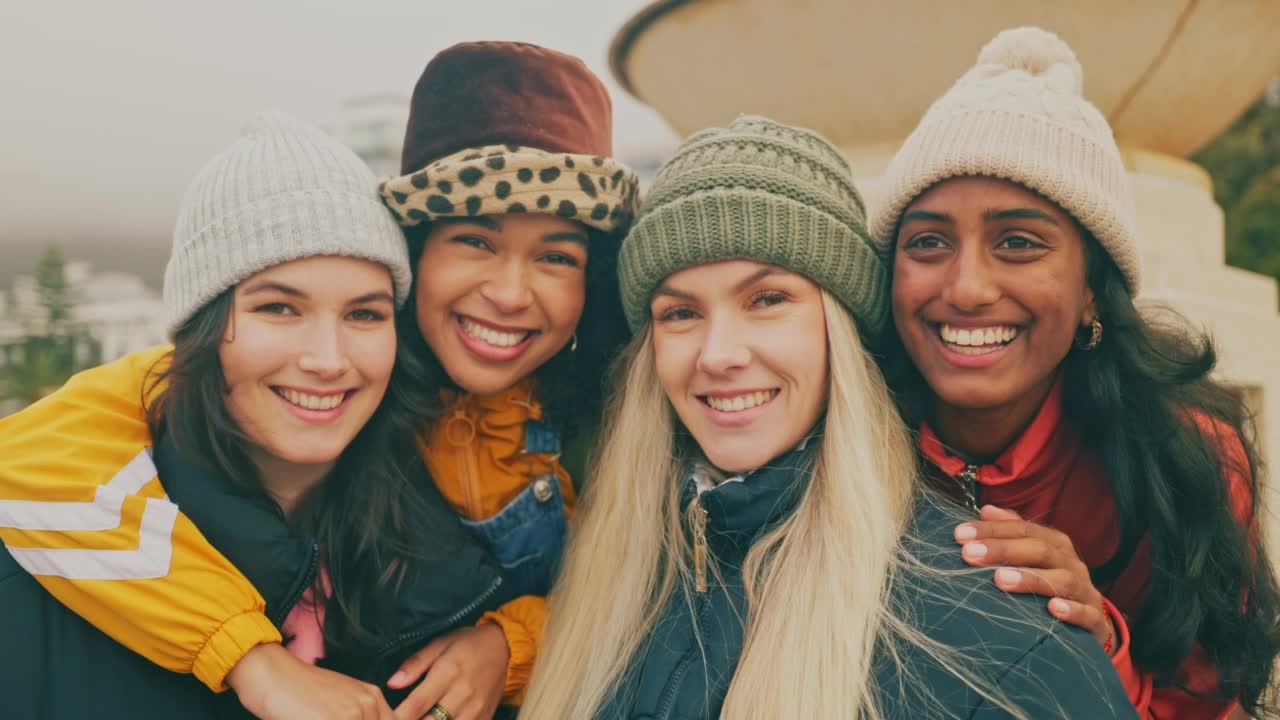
(741, 352)
(499, 295)
(307, 356)
(989, 291)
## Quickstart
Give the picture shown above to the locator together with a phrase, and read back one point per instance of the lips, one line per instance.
(976, 340)
(729, 403)
(493, 335)
(311, 401)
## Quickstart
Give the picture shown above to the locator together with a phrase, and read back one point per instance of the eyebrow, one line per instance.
(665, 289)
(378, 296)
(272, 286)
(567, 236)
(926, 215)
(988, 216)
(1019, 214)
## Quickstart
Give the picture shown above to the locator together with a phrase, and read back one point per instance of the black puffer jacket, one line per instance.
(55, 665)
(1047, 668)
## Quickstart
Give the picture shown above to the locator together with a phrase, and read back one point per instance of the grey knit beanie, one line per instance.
(762, 191)
(1019, 115)
(283, 191)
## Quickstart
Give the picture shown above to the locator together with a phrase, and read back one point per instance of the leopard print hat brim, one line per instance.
(597, 191)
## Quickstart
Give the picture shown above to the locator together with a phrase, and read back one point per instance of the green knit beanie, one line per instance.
(763, 191)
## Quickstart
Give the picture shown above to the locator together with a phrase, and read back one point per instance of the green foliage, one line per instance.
(1245, 165)
(53, 346)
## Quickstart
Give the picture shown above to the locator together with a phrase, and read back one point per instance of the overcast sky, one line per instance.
(108, 109)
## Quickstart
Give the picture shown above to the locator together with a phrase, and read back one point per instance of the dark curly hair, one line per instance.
(1136, 398)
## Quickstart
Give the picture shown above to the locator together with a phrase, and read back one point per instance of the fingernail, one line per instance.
(966, 532)
(399, 677)
(1005, 576)
(977, 551)
(1059, 606)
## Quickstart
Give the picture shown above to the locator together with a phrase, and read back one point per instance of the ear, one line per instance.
(1090, 311)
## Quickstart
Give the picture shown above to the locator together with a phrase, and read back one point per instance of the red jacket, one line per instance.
(1047, 477)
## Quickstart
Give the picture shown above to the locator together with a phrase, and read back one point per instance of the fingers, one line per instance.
(1093, 619)
(412, 669)
(1049, 583)
(1010, 530)
(430, 692)
(1025, 552)
(991, 512)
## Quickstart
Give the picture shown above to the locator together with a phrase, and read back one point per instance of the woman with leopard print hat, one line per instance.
(513, 210)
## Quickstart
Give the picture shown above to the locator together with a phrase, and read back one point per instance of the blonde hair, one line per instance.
(830, 564)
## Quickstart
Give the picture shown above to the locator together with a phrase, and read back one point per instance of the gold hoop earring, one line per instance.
(1095, 336)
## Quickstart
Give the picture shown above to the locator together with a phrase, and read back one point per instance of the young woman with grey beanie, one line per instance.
(281, 423)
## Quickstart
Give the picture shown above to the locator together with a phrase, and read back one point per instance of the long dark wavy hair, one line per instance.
(572, 383)
(369, 517)
(1135, 398)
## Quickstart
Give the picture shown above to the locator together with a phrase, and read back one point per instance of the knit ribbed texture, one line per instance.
(762, 191)
(1019, 115)
(283, 191)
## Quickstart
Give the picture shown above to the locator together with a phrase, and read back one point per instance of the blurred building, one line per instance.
(113, 314)
(373, 126)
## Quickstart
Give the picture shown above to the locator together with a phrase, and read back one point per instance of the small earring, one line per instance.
(573, 347)
(1095, 336)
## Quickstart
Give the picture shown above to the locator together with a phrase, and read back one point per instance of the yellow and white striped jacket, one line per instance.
(82, 510)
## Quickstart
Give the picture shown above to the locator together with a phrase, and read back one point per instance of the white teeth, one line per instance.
(977, 337)
(312, 402)
(739, 403)
(491, 336)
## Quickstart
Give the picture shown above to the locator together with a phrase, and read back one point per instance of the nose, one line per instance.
(509, 289)
(323, 352)
(723, 348)
(970, 282)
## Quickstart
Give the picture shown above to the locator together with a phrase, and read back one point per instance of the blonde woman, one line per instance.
(754, 544)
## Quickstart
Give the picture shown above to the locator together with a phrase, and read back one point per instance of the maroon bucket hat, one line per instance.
(502, 127)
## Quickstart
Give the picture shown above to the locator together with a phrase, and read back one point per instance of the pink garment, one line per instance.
(304, 625)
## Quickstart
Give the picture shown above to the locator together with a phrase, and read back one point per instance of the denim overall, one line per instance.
(527, 536)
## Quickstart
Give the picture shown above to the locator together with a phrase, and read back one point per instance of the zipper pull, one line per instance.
(968, 480)
(698, 522)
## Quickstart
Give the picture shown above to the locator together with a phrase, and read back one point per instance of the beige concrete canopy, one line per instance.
(1168, 74)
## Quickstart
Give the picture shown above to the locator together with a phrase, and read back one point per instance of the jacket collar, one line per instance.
(1040, 448)
(740, 509)
(455, 574)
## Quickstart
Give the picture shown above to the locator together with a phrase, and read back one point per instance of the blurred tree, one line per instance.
(1245, 165)
(53, 345)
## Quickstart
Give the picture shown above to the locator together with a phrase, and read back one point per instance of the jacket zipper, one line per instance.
(308, 579)
(409, 637)
(677, 676)
(968, 481)
(698, 524)
(464, 453)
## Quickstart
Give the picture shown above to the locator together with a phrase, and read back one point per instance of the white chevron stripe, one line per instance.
(155, 532)
(150, 560)
(103, 513)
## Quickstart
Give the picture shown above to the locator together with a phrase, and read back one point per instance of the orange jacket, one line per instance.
(81, 509)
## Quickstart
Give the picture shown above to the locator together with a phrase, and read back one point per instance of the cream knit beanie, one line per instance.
(281, 192)
(1019, 115)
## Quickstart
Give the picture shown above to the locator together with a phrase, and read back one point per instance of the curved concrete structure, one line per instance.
(1168, 74)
